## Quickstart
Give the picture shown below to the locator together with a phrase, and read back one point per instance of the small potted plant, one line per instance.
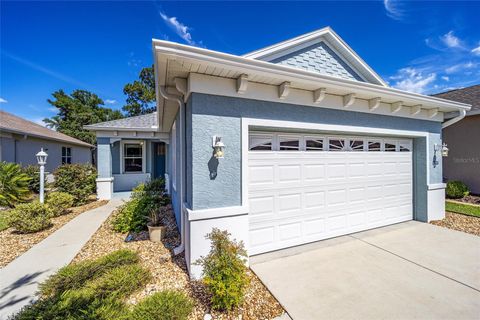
(155, 230)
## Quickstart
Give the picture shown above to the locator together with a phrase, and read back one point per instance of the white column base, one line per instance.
(436, 201)
(104, 188)
(197, 246)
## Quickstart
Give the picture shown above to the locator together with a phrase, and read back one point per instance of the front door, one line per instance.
(159, 159)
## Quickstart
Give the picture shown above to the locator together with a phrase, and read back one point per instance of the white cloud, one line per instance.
(52, 109)
(394, 9)
(180, 29)
(446, 78)
(451, 41)
(413, 80)
(110, 101)
(461, 66)
(39, 121)
(3, 100)
(476, 51)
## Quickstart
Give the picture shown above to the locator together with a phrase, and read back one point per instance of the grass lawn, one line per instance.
(3, 220)
(462, 208)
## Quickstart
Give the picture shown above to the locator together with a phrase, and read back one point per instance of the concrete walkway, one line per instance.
(19, 280)
(406, 271)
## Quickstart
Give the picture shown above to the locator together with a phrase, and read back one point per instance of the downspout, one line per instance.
(454, 120)
(179, 100)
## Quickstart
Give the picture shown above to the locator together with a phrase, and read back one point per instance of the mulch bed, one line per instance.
(170, 272)
(13, 244)
(460, 222)
(469, 199)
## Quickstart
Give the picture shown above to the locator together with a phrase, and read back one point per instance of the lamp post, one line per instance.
(42, 160)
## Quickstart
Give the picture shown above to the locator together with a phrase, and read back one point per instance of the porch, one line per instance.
(123, 163)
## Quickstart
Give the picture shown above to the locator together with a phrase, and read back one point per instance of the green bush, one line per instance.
(75, 275)
(77, 180)
(133, 215)
(165, 305)
(30, 217)
(33, 172)
(13, 184)
(456, 190)
(224, 271)
(59, 202)
(90, 290)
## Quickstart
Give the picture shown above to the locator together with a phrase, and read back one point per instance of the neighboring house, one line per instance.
(463, 140)
(21, 140)
(317, 145)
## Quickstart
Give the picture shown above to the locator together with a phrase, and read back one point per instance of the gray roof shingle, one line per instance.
(469, 95)
(145, 121)
(15, 124)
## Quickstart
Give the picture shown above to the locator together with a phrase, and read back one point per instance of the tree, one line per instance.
(76, 110)
(141, 94)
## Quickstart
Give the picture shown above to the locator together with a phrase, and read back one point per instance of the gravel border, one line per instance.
(13, 244)
(460, 222)
(170, 272)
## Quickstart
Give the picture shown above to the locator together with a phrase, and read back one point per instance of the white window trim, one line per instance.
(70, 156)
(144, 150)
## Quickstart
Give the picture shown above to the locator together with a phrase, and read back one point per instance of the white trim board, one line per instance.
(227, 87)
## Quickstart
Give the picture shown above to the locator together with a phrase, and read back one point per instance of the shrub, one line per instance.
(456, 190)
(224, 271)
(59, 202)
(133, 215)
(74, 276)
(77, 180)
(33, 172)
(30, 217)
(165, 305)
(13, 184)
(93, 289)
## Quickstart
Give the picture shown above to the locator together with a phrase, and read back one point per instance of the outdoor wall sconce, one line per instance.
(443, 148)
(218, 147)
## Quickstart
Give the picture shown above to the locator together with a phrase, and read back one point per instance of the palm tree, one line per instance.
(13, 184)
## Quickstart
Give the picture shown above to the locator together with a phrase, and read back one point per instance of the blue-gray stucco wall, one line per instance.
(218, 184)
(175, 191)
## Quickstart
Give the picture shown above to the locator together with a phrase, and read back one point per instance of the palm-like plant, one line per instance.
(13, 184)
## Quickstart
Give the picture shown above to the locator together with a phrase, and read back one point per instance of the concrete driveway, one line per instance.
(410, 270)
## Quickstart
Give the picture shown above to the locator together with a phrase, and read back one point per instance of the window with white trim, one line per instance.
(405, 146)
(336, 144)
(374, 145)
(289, 143)
(66, 155)
(260, 142)
(133, 157)
(356, 145)
(314, 144)
(390, 146)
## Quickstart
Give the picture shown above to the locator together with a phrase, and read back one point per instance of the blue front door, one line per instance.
(159, 159)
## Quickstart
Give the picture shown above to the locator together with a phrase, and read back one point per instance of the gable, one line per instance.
(321, 51)
(319, 58)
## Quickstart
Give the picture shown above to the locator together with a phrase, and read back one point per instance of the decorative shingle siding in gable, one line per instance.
(319, 58)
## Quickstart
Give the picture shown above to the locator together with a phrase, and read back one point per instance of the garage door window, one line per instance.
(260, 142)
(289, 143)
(405, 146)
(356, 145)
(336, 144)
(314, 144)
(374, 146)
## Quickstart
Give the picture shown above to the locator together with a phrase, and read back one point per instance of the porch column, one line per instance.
(104, 168)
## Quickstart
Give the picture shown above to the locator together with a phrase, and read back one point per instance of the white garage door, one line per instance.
(304, 188)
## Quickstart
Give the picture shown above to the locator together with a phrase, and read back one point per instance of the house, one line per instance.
(316, 145)
(21, 140)
(462, 138)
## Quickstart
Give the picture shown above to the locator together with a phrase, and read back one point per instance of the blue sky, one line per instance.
(424, 47)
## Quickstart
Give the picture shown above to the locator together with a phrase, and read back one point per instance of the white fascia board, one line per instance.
(179, 52)
(200, 83)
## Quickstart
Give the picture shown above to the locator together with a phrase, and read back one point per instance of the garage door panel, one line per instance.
(297, 196)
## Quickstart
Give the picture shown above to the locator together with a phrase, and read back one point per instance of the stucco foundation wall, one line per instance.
(23, 151)
(463, 161)
(217, 183)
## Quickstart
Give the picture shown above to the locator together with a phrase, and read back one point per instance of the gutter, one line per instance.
(178, 99)
(454, 120)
